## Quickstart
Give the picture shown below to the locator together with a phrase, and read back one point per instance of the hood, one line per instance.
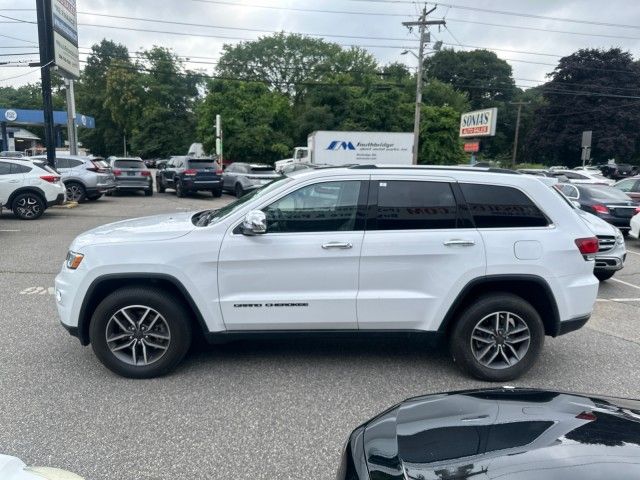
(506, 433)
(145, 229)
(597, 225)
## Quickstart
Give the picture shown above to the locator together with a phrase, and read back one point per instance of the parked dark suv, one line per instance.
(188, 174)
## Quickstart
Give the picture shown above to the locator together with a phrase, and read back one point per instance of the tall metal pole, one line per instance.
(124, 144)
(422, 23)
(43, 9)
(72, 134)
(416, 119)
(517, 133)
(219, 139)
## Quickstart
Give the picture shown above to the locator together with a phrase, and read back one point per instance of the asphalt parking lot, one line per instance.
(259, 410)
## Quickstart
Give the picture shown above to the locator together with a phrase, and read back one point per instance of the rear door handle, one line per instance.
(339, 245)
(459, 242)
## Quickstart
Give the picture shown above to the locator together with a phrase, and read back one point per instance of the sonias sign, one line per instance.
(480, 123)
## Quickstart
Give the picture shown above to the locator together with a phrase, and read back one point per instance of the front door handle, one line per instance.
(339, 245)
(459, 243)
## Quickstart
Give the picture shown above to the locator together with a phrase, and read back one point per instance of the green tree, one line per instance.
(256, 121)
(586, 92)
(439, 141)
(106, 138)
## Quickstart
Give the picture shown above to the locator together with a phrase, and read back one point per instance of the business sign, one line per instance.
(479, 123)
(65, 37)
(472, 146)
(11, 115)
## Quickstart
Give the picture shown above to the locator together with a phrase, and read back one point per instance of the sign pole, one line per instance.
(71, 118)
(43, 8)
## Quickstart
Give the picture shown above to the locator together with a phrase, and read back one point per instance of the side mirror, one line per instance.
(255, 223)
(576, 204)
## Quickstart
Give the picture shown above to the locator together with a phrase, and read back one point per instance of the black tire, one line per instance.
(238, 190)
(604, 275)
(28, 206)
(148, 192)
(177, 319)
(461, 343)
(179, 189)
(93, 198)
(160, 185)
(75, 192)
(216, 192)
(109, 193)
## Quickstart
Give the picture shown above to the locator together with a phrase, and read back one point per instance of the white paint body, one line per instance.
(389, 280)
(12, 468)
(11, 182)
(635, 227)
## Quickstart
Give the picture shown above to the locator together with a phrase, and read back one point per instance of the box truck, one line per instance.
(354, 148)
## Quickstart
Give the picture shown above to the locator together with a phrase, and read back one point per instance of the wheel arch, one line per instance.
(531, 288)
(106, 284)
(22, 190)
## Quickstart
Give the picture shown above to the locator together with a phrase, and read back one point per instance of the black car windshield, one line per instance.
(204, 163)
(604, 193)
(209, 217)
(135, 164)
(262, 169)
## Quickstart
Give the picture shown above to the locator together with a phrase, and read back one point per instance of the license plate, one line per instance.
(132, 174)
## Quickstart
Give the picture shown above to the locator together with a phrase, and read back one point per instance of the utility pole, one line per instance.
(72, 133)
(515, 140)
(422, 23)
(219, 139)
(43, 9)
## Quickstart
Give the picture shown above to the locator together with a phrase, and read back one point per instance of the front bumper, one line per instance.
(611, 260)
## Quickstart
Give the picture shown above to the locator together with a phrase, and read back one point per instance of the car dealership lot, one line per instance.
(272, 409)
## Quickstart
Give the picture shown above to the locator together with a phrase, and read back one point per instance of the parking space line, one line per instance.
(625, 283)
(6, 230)
(618, 299)
(633, 251)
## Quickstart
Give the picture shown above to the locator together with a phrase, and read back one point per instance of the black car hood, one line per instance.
(506, 433)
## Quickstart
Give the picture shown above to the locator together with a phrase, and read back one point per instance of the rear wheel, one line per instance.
(148, 192)
(498, 338)
(28, 206)
(239, 191)
(160, 185)
(216, 192)
(179, 189)
(94, 197)
(604, 274)
(140, 332)
(75, 192)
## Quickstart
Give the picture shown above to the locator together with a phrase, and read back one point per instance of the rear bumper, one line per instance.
(133, 186)
(573, 324)
(58, 201)
(201, 184)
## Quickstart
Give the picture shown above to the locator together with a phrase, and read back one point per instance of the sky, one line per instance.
(532, 45)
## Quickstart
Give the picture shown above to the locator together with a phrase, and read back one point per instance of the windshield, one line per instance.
(202, 163)
(209, 217)
(135, 164)
(262, 169)
(608, 194)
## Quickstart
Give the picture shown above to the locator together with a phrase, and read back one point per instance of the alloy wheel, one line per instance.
(28, 207)
(138, 335)
(74, 192)
(500, 340)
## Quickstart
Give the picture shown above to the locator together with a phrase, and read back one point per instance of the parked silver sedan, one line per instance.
(240, 178)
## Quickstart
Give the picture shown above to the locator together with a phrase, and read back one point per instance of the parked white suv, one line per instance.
(488, 260)
(27, 188)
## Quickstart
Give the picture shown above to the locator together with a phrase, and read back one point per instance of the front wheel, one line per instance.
(160, 185)
(216, 192)
(93, 198)
(497, 338)
(604, 275)
(75, 192)
(239, 191)
(28, 206)
(140, 332)
(179, 189)
(148, 192)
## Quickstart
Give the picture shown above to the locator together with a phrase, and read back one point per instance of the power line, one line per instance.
(16, 38)
(595, 110)
(25, 74)
(19, 20)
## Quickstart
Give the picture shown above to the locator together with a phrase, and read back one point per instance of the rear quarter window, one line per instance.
(498, 206)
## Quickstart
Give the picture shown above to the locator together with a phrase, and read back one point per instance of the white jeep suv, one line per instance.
(28, 189)
(488, 260)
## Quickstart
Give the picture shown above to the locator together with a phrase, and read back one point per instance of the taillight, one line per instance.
(97, 168)
(587, 246)
(589, 416)
(600, 209)
(190, 172)
(117, 172)
(146, 173)
(50, 178)
(637, 209)
(219, 171)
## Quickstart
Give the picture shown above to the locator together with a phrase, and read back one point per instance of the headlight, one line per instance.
(74, 260)
(619, 238)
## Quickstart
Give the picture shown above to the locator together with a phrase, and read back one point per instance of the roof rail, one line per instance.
(463, 168)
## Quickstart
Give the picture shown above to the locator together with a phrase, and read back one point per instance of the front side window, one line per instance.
(75, 163)
(626, 185)
(62, 163)
(496, 206)
(321, 207)
(415, 205)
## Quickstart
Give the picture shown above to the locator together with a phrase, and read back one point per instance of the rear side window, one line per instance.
(494, 206)
(135, 164)
(5, 168)
(15, 168)
(62, 162)
(414, 205)
(75, 163)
